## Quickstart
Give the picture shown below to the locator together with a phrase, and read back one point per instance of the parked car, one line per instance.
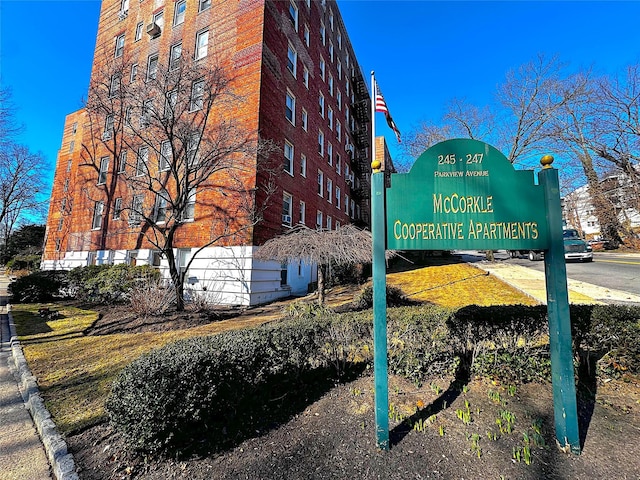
(575, 248)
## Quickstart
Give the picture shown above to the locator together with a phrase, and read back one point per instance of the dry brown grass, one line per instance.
(75, 371)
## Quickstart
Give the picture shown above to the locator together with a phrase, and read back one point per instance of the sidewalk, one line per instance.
(533, 284)
(30, 446)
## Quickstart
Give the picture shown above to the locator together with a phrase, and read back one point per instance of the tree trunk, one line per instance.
(177, 279)
(321, 284)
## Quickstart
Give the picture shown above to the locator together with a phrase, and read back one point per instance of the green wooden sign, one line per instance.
(464, 194)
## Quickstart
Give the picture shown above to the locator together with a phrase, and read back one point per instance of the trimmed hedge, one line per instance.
(40, 286)
(202, 387)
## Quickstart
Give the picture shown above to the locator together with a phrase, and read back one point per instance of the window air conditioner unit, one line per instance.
(153, 29)
(286, 219)
(106, 135)
(349, 148)
(350, 178)
(122, 14)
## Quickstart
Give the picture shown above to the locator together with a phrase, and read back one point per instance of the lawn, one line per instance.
(75, 370)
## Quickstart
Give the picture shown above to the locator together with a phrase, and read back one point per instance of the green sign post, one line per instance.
(465, 194)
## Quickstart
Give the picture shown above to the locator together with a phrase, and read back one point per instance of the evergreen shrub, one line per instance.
(39, 286)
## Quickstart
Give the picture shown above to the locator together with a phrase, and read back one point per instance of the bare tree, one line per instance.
(170, 135)
(347, 245)
(21, 184)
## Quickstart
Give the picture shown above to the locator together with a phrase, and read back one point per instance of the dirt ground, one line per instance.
(437, 430)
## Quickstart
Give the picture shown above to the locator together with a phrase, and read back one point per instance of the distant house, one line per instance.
(580, 213)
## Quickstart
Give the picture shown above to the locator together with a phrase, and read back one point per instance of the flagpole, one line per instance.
(379, 271)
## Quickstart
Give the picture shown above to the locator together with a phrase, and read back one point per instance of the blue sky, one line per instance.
(424, 52)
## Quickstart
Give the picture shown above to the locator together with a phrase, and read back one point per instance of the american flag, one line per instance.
(381, 106)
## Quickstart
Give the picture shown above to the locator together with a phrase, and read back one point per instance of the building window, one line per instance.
(122, 161)
(156, 258)
(330, 85)
(141, 163)
(192, 149)
(305, 77)
(303, 212)
(69, 163)
(60, 224)
(134, 73)
(131, 258)
(339, 99)
(329, 154)
(293, 14)
(321, 104)
(161, 207)
(63, 204)
(98, 207)
(306, 35)
(323, 33)
(305, 120)
(176, 53)
(204, 4)
(135, 215)
(74, 128)
(170, 104)
(152, 67)
(331, 51)
(114, 86)
(322, 68)
(158, 19)
(108, 129)
(318, 220)
(72, 144)
(178, 15)
(346, 204)
(104, 167)
(66, 185)
(320, 183)
(303, 165)
(117, 208)
(145, 114)
(329, 190)
(190, 208)
(329, 222)
(139, 31)
(288, 157)
(202, 43)
(339, 69)
(165, 156)
(290, 111)
(330, 118)
(338, 164)
(331, 19)
(119, 45)
(339, 38)
(124, 6)
(292, 59)
(338, 197)
(287, 209)
(197, 96)
(321, 144)
(338, 130)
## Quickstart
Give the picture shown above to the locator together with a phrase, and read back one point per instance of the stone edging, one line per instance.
(61, 460)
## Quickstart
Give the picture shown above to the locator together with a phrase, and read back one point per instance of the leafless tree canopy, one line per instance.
(21, 179)
(590, 123)
(173, 133)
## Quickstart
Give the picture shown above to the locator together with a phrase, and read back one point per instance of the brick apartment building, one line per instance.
(297, 83)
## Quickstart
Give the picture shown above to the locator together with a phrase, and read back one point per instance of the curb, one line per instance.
(55, 447)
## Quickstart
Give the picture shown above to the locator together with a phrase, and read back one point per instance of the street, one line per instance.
(608, 269)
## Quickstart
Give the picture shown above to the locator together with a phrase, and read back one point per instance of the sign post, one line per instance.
(565, 409)
(379, 307)
(465, 194)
